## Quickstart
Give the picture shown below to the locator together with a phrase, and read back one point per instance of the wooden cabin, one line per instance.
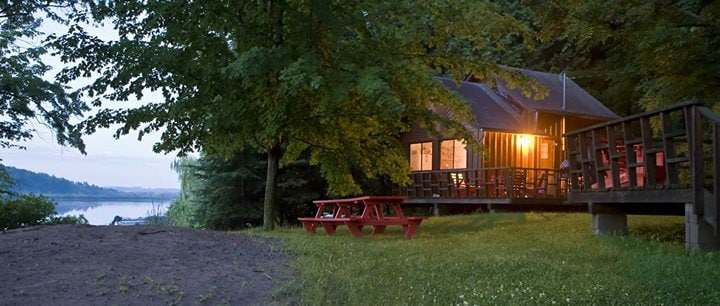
(522, 142)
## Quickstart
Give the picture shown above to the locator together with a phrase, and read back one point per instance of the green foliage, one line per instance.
(502, 259)
(28, 210)
(182, 212)
(25, 97)
(232, 190)
(6, 182)
(338, 80)
(24, 210)
(656, 52)
(228, 194)
(54, 220)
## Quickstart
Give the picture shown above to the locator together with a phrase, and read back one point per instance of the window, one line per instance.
(453, 154)
(421, 156)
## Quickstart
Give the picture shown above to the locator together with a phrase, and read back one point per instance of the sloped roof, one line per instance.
(490, 110)
(501, 108)
(578, 102)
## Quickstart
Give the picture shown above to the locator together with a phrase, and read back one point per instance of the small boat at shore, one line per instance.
(134, 221)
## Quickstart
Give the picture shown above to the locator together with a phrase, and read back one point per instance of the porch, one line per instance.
(501, 185)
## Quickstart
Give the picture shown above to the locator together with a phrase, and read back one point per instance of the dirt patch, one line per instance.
(138, 265)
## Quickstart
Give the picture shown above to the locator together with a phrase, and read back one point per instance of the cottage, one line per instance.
(522, 145)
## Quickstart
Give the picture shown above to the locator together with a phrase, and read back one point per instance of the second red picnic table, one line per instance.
(359, 212)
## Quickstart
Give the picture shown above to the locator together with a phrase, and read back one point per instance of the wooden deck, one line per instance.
(507, 185)
(661, 162)
(644, 158)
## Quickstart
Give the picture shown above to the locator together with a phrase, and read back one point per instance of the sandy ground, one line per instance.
(138, 265)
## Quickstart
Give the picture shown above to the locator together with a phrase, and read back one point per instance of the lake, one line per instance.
(103, 212)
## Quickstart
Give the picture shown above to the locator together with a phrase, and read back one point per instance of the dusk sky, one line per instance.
(124, 162)
(109, 162)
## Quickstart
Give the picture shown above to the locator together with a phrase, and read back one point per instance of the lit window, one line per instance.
(421, 156)
(453, 154)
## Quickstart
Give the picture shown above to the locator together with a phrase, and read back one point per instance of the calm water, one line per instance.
(103, 212)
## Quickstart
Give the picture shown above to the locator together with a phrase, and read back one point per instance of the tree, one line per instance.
(24, 95)
(634, 55)
(228, 194)
(338, 80)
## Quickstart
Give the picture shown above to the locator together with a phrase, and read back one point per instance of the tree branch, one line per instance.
(314, 145)
(702, 19)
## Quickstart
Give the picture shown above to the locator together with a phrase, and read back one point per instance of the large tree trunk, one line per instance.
(273, 153)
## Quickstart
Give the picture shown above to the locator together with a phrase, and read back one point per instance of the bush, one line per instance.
(27, 210)
(182, 212)
(66, 220)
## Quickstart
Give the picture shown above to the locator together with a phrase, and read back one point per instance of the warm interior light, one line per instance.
(525, 140)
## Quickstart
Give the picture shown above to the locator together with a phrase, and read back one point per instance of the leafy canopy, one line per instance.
(25, 97)
(634, 55)
(337, 79)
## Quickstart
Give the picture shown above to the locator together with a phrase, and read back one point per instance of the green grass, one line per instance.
(520, 258)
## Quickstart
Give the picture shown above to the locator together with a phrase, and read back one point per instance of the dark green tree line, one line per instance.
(228, 194)
(632, 55)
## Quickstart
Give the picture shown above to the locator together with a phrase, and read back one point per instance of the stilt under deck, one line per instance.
(665, 162)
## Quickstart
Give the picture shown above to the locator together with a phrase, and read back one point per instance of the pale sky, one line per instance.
(124, 162)
(109, 162)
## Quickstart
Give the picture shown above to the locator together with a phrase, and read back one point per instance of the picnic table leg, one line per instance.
(310, 226)
(355, 228)
(411, 228)
(329, 227)
(378, 229)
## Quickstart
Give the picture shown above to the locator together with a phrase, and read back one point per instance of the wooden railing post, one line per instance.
(697, 167)
(716, 177)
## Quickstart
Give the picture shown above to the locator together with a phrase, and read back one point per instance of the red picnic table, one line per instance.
(359, 212)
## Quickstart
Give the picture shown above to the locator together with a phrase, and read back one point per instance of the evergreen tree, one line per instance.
(228, 194)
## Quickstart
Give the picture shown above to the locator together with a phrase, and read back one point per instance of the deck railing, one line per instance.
(486, 183)
(674, 147)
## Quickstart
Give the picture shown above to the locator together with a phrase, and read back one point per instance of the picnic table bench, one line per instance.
(356, 213)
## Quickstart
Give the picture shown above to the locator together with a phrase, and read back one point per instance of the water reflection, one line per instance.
(102, 213)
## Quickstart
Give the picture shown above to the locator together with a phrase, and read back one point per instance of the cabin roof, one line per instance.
(490, 110)
(578, 102)
(502, 108)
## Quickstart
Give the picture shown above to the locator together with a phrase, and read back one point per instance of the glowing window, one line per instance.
(453, 154)
(421, 156)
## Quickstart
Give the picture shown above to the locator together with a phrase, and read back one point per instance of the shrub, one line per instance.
(24, 210)
(27, 210)
(66, 220)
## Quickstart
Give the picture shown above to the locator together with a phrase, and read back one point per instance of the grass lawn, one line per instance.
(504, 258)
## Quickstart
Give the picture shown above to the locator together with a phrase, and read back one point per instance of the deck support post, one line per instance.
(699, 234)
(436, 210)
(603, 224)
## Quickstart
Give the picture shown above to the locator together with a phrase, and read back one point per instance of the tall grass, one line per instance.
(156, 214)
(520, 258)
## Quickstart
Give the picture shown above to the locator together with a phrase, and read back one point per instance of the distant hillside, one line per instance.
(41, 183)
(60, 188)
